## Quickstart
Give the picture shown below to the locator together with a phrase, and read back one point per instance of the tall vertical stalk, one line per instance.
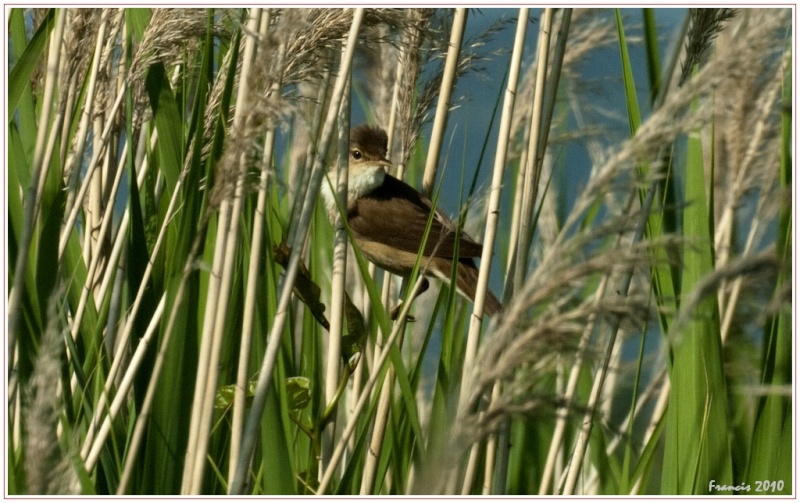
(265, 375)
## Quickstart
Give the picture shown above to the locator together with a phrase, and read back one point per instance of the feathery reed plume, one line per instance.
(171, 34)
(475, 53)
(706, 25)
(167, 36)
(411, 59)
(550, 315)
(47, 467)
(748, 103)
(171, 38)
(79, 44)
(588, 32)
(752, 267)
(37, 75)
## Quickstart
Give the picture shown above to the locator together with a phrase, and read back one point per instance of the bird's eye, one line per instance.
(357, 155)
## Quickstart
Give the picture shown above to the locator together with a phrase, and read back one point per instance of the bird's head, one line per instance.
(367, 164)
(368, 146)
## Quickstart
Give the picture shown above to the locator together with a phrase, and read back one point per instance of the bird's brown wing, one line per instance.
(395, 214)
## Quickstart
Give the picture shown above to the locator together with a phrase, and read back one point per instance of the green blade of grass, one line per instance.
(770, 457)
(697, 450)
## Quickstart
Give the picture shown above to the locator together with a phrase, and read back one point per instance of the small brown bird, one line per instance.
(388, 219)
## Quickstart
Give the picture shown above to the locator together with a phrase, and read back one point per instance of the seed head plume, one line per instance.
(47, 467)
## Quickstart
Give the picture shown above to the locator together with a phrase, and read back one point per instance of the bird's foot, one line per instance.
(394, 313)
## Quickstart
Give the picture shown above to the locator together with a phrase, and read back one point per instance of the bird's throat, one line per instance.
(361, 181)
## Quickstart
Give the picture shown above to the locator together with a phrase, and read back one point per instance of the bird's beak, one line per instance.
(370, 165)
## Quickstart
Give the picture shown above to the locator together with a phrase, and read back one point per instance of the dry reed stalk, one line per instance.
(533, 152)
(539, 124)
(443, 105)
(381, 420)
(97, 156)
(219, 287)
(379, 62)
(587, 33)
(120, 340)
(94, 206)
(92, 450)
(338, 275)
(84, 26)
(265, 374)
(242, 375)
(94, 273)
(492, 218)
(142, 418)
